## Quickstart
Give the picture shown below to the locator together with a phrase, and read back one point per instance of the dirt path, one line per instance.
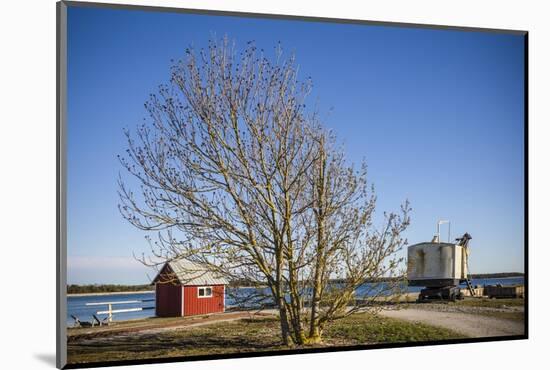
(471, 325)
(186, 325)
(151, 327)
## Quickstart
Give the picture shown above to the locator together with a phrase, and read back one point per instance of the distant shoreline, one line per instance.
(109, 293)
(509, 275)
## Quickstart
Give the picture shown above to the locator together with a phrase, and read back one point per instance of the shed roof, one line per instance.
(190, 273)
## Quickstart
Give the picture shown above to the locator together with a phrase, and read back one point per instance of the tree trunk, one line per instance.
(320, 190)
(283, 314)
(314, 332)
(296, 305)
(285, 328)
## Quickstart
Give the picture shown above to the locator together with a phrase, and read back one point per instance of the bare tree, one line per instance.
(235, 174)
(347, 248)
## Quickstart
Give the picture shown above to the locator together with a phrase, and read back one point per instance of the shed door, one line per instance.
(169, 300)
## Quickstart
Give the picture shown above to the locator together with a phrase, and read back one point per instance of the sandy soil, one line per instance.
(471, 325)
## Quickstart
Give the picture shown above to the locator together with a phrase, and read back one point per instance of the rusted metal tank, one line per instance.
(436, 264)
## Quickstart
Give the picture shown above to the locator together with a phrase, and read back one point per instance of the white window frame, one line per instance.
(205, 287)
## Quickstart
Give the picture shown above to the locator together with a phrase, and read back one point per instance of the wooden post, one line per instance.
(110, 312)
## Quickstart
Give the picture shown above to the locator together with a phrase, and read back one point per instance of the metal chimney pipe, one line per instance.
(441, 222)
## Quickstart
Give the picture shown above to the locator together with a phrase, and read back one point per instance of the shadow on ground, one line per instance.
(47, 358)
(154, 342)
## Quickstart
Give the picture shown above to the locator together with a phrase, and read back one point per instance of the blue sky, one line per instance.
(437, 114)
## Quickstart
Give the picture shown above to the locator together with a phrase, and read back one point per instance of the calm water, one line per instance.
(77, 305)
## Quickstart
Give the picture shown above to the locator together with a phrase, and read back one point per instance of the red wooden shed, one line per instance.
(184, 288)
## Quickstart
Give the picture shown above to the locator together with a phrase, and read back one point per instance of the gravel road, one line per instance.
(471, 325)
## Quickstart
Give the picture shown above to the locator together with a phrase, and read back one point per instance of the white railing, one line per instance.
(109, 312)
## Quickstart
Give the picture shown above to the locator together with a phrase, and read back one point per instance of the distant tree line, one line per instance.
(106, 288)
(112, 288)
(401, 278)
(497, 275)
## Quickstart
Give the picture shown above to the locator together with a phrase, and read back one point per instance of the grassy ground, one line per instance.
(366, 329)
(491, 303)
(139, 325)
(506, 308)
(514, 316)
(246, 335)
(475, 305)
